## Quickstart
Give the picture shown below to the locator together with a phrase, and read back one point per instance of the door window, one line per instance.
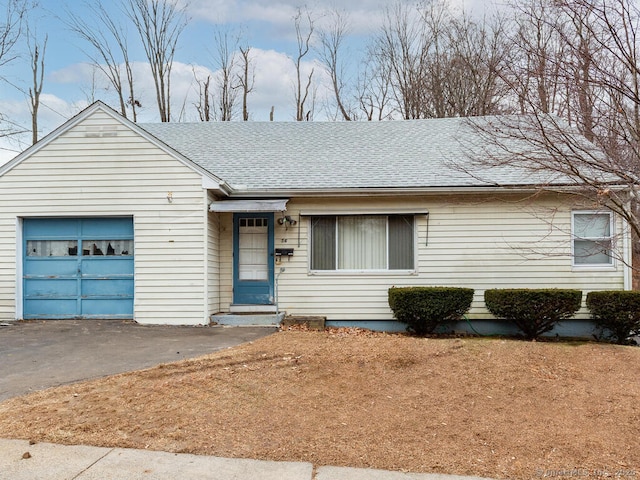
(253, 249)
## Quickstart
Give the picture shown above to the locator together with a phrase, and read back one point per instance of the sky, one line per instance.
(267, 26)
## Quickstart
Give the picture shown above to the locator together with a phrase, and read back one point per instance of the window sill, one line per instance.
(387, 273)
(594, 267)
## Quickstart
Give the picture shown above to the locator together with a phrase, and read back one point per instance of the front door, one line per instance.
(253, 259)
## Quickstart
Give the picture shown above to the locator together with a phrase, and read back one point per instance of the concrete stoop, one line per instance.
(247, 319)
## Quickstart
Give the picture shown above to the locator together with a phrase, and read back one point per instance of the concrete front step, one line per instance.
(312, 322)
(247, 319)
(244, 309)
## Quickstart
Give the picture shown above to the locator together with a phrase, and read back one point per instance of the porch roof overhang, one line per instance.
(259, 205)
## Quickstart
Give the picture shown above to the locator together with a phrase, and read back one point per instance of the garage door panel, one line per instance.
(107, 267)
(59, 267)
(107, 288)
(51, 288)
(48, 308)
(51, 227)
(107, 228)
(61, 280)
(98, 308)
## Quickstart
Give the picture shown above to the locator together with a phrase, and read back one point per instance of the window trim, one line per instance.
(384, 272)
(611, 265)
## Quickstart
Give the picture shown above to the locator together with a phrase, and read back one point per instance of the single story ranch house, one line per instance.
(194, 223)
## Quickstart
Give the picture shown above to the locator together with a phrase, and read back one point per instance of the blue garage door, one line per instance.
(78, 268)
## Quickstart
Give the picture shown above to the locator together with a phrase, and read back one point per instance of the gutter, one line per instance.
(243, 192)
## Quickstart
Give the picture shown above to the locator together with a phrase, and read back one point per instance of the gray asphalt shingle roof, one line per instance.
(336, 155)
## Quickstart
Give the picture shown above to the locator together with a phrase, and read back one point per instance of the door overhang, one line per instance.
(247, 206)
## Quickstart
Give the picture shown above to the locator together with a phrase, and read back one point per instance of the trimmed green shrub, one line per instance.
(616, 312)
(424, 308)
(533, 311)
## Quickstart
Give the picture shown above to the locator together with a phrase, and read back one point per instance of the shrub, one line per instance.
(424, 308)
(616, 312)
(533, 311)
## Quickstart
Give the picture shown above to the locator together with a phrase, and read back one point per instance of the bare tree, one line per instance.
(534, 71)
(205, 99)
(246, 79)
(304, 25)
(37, 53)
(159, 24)
(108, 40)
(478, 51)
(373, 89)
(11, 25)
(442, 63)
(10, 29)
(593, 140)
(401, 47)
(331, 41)
(226, 44)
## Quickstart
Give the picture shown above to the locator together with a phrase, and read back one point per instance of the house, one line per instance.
(177, 223)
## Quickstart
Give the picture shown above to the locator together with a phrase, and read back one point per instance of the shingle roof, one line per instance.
(337, 155)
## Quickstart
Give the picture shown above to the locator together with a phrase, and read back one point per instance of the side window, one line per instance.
(592, 238)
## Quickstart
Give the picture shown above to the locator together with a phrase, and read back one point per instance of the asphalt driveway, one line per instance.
(39, 354)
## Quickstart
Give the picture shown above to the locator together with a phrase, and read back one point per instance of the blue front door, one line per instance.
(78, 268)
(253, 259)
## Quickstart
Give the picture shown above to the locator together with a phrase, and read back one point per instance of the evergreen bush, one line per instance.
(616, 313)
(533, 311)
(424, 308)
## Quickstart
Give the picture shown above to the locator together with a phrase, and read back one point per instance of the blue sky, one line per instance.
(267, 26)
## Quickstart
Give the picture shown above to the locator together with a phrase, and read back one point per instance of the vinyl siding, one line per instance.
(79, 174)
(479, 242)
(226, 261)
(213, 258)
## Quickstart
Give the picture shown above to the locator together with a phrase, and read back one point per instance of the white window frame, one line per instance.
(599, 266)
(337, 271)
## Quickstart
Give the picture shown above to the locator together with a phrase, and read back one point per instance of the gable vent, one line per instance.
(101, 131)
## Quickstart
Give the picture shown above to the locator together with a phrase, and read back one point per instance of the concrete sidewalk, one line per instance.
(46, 461)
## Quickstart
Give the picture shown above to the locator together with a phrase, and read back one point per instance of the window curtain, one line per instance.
(323, 240)
(401, 242)
(362, 243)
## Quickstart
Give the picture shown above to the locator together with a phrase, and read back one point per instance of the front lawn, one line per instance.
(489, 407)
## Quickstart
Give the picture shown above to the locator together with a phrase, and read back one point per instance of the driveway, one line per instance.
(39, 354)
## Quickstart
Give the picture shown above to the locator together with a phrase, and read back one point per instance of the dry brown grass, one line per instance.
(490, 407)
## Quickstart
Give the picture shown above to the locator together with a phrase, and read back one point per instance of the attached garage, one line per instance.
(78, 267)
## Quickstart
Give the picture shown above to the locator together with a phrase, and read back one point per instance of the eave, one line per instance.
(399, 191)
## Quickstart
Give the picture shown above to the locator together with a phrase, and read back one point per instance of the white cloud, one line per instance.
(238, 11)
(365, 16)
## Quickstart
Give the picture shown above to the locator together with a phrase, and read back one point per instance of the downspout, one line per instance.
(627, 255)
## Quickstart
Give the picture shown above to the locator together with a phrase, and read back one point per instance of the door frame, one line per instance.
(266, 288)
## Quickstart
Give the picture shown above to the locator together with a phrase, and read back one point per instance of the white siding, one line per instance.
(213, 258)
(118, 172)
(226, 261)
(480, 242)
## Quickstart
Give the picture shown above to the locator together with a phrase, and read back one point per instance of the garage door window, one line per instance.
(52, 248)
(118, 248)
